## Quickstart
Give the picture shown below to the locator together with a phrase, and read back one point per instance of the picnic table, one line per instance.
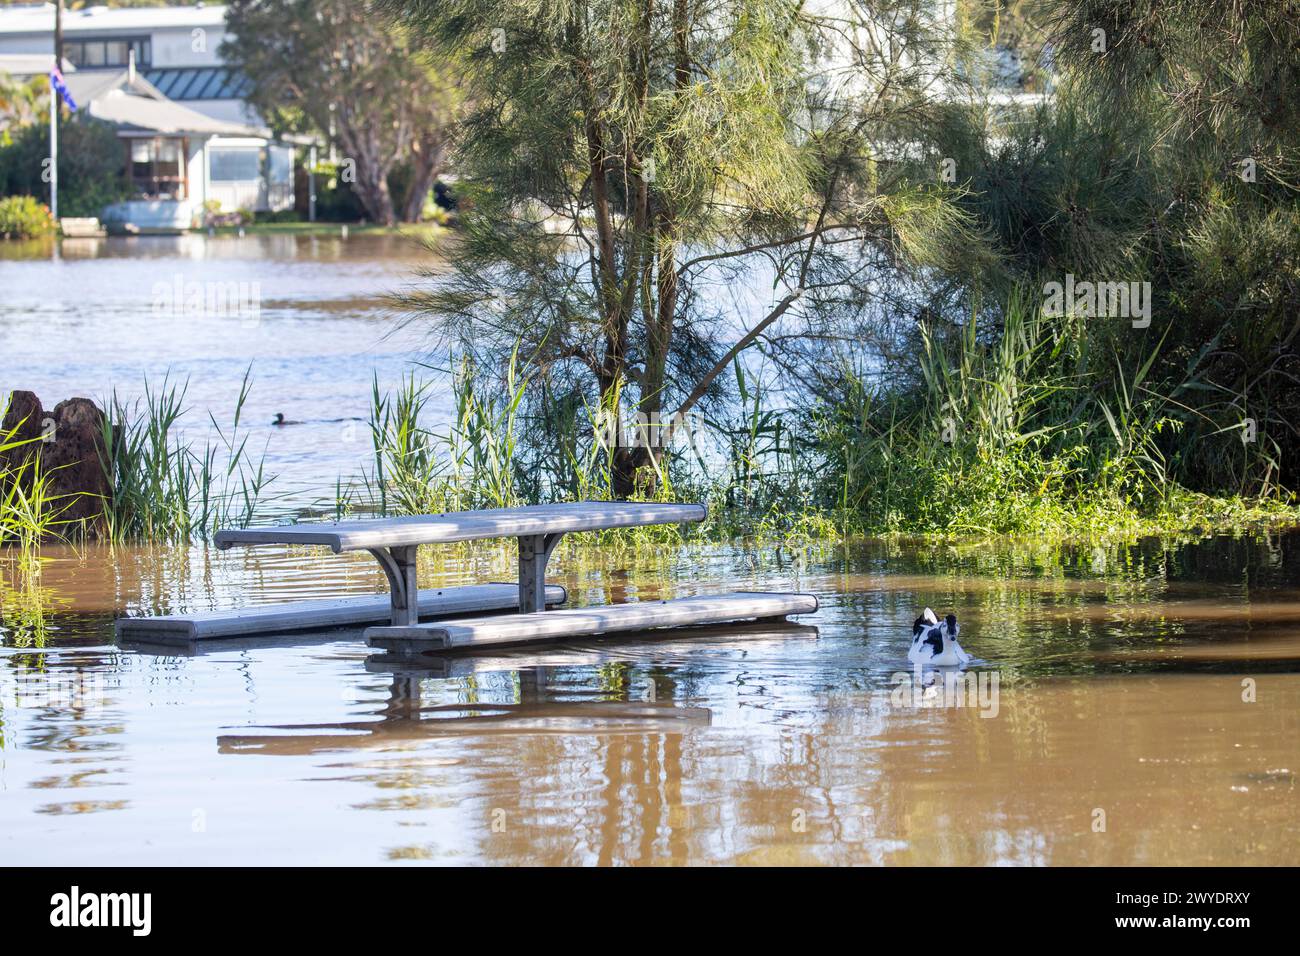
(395, 543)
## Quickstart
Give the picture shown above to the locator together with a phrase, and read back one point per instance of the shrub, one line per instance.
(282, 215)
(22, 217)
(335, 200)
(91, 165)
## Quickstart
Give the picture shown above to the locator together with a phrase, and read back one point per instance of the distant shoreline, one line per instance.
(326, 229)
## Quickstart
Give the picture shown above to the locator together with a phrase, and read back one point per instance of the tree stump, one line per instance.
(68, 446)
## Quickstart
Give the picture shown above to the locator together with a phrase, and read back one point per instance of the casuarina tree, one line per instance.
(656, 187)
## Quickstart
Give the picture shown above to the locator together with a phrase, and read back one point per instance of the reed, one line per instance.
(497, 451)
(170, 488)
(1038, 427)
(29, 510)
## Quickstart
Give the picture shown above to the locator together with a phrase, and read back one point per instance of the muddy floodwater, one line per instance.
(1146, 711)
(1130, 705)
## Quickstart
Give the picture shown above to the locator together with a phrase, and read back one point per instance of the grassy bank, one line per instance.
(414, 230)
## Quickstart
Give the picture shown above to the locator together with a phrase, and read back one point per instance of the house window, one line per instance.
(158, 168)
(235, 165)
(113, 52)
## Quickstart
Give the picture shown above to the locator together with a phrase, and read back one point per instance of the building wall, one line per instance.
(188, 47)
(197, 168)
(170, 47)
(270, 188)
(254, 193)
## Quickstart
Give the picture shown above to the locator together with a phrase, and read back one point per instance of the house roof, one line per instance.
(132, 101)
(39, 18)
(30, 64)
(135, 102)
(86, 86)
(128, 108)
(199, 83)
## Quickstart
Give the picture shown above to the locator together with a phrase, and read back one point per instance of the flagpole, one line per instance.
(54, 111)
(54, 150)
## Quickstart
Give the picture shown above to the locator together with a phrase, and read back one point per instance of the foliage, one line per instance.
(166, 488)
(625, 161)
(1013, 435)
(29, 513)
(341, 70)
(1036, 429)
(1136, 172)
(336, 200)
(1172, 156)
(91, 174)
(23, 217)
(20, 102)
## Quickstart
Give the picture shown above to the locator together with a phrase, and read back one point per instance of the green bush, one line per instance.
(91, 165)
(22, 217)
(281, 215)
(335, 200)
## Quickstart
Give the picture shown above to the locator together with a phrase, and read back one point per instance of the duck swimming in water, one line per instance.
(281, 420)
(935, 643)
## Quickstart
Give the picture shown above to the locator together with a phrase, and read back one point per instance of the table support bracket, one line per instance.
(400, 566)
(534, 552)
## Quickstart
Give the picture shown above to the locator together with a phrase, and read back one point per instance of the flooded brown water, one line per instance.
(1147, 711)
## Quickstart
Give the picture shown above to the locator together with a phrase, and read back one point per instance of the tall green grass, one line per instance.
(29, 510)
(1035, 427)
(165, 488)
(470, 463)
(1029, 426)
(499, 451)
(168, 488)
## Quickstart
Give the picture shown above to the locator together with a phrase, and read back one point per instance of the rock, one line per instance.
(69, 443)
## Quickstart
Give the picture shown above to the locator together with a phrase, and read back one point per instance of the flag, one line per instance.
(56, 81)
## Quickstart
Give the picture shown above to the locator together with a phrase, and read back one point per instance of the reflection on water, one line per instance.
(1152, 688)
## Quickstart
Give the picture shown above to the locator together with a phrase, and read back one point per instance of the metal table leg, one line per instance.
(534, 551)
(400, 566)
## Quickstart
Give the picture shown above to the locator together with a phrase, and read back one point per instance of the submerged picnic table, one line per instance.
(394, 542)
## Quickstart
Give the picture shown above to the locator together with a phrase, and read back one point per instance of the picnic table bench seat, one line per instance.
(322, 614)
(507, 629)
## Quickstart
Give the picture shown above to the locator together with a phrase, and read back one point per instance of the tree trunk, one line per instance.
(632, 472)
(372, 190)
(428, 164)
(68, 446)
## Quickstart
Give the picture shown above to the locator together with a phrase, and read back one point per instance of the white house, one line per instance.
(155, 73)
(179, 159)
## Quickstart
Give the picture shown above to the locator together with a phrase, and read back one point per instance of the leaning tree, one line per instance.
(654, 187)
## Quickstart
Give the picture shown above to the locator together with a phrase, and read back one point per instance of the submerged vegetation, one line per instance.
(166, 488)
(1056, 447)
(28, 511)
(1021, 435)
(1039, 429)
